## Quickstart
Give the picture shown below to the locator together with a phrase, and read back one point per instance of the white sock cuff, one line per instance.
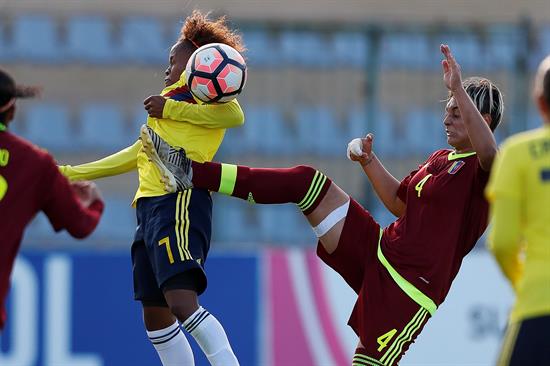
(191, 323)
(162, 337)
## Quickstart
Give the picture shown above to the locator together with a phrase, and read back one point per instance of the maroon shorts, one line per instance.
(384, 317)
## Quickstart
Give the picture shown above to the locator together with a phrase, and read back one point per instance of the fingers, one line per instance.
(154, 105)
(446, 51)
(367, 142)
(149, 102)
(445, 66)
(449, 57)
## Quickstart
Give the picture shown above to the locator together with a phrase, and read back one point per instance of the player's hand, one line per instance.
(87, 192)
(366, 154)
(154, 105)
(451, 70)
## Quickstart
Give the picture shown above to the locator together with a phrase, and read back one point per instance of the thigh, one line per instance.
(526, 343)
(356, 247)
(178, 236)
(385, 318)
(334, 198)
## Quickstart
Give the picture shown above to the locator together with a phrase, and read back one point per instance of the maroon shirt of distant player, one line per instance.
(30, 182)
(446, 213)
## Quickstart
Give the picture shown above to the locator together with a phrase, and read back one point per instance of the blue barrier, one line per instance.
(77, 308)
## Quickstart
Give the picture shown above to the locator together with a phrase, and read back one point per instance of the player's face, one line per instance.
(457, 135)
(177, 61)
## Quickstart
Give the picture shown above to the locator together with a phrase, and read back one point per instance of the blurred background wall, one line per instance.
(320, 74)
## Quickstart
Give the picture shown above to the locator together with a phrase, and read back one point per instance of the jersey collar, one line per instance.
(453, 155)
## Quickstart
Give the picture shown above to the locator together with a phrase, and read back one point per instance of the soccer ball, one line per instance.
(216, 73)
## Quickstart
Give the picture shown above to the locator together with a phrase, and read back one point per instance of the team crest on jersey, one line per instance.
(456, 167)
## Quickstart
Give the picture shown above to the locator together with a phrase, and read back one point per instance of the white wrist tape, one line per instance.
(332, 219)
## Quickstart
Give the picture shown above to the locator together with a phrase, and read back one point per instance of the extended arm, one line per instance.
(482, 138)
(225, 115)
(118, 163)
(385, 185)
(76, 209)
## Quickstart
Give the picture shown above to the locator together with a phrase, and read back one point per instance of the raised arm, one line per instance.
(75, 207)
(121, 162)
(482, 138)
(224, 115)
(385, 185)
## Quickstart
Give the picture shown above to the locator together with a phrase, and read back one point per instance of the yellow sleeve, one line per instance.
(224, 115)
(504, 194)
(118, 163)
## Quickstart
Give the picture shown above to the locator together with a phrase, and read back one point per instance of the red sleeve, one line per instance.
(63, 208)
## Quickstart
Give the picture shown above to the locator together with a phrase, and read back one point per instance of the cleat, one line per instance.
(173, 164)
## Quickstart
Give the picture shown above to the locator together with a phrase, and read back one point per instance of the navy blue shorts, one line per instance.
(526, 343)
(172, 238)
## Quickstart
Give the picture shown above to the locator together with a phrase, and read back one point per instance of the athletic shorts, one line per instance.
(385, 318)
(526, 343)
(172, 240)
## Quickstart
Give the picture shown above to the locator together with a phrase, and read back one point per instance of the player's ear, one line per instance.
(10, 114)
(487, 118)
(543, 107)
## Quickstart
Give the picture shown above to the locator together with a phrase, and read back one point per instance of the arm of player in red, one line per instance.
(75, 207)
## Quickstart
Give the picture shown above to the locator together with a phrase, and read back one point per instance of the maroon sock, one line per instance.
(362, 358)
(302, 184)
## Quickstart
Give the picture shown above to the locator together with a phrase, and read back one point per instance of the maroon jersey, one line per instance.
(445, 215)
(31, 182)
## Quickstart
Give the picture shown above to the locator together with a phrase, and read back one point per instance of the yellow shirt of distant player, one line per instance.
(519, 190)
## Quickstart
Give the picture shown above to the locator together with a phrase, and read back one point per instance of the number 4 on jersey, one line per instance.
(4, 158)
(385, 338)
(420, 184)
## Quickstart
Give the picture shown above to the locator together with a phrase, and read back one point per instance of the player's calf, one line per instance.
(211, 337)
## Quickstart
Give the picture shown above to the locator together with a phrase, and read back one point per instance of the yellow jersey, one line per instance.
(519, 192)
(187, 122)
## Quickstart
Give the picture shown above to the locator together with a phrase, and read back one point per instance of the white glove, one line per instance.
(355, 146)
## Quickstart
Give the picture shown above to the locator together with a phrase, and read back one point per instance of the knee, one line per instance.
(183, 311)
(304, 170)
(157, 317)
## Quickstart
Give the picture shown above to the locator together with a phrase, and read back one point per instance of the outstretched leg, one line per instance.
(321, 201)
